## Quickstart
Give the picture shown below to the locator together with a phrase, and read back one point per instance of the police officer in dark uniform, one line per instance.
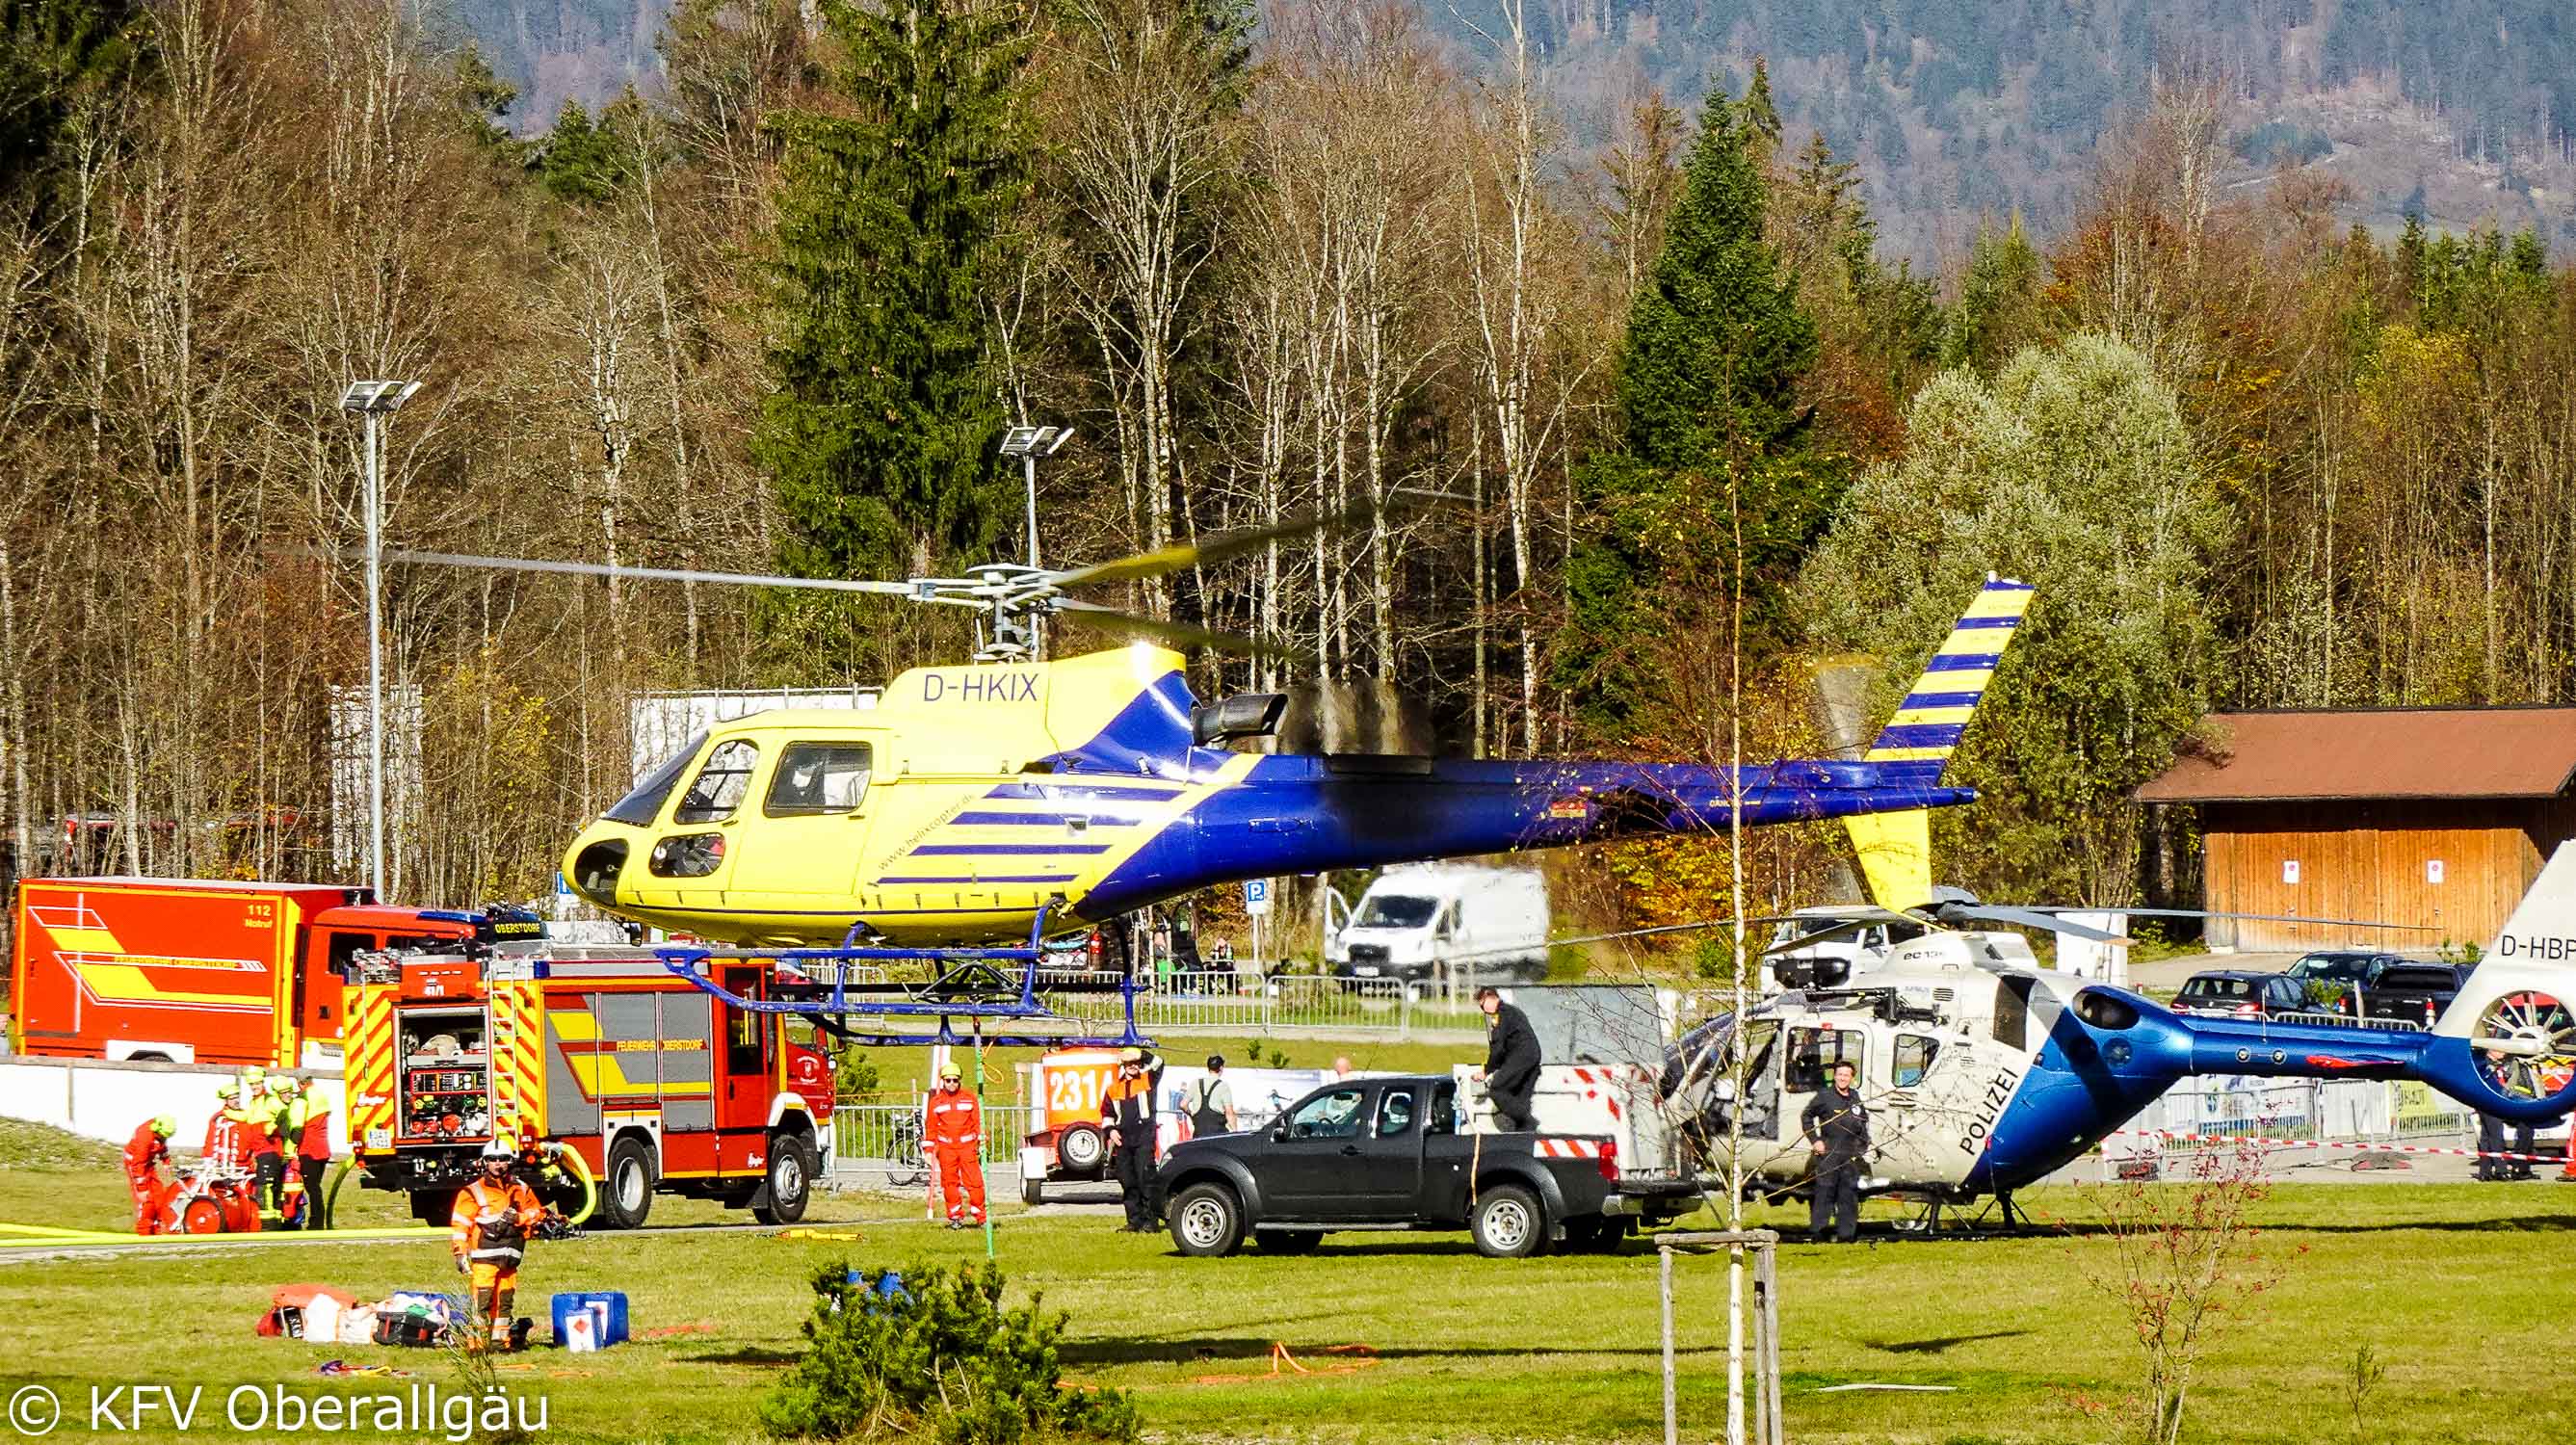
(1837, 1127)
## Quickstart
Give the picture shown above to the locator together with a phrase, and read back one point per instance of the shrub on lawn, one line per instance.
(935, 1356)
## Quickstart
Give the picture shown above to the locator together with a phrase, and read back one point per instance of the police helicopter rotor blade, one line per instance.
(1207, 549)
(2199, 913)
(1187, 634)
(917, 593)
(2030, 918)
(1854, 923)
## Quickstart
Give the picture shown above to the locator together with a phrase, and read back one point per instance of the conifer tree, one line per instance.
(879, 432)
(1707, 385)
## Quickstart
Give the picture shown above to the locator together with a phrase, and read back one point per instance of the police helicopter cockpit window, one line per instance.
(819, 778)
(1914, 1055)
(1389, 910)
(639, 808)
(720, 784)
(1813, 1054)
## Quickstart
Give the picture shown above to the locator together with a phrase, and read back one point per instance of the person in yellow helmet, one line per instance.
(256, 1118)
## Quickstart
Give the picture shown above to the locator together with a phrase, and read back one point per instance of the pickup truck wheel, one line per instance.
(626, 1185)
(1081, 1150)
(791, 1180)
(1508, 1223)
(1207, 1221)
(1288, 1241)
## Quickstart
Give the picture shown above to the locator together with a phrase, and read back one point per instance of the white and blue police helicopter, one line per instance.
(1984, 1073)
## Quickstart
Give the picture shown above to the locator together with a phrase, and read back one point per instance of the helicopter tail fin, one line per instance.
(1917, 743)
(2512, 1026)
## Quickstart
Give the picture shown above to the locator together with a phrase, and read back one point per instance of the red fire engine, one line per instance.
(654, 1084)
(182, 970)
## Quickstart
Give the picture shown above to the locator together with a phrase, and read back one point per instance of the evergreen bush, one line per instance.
(934, 1355)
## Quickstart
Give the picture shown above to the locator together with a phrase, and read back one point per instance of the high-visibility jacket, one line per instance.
(145, 1153)
(1127, 1105)
(492, 1221)
(954, 1118)
(256, 1125)
(305, 1127)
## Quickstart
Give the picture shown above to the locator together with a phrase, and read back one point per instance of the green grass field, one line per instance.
(2464, 1292)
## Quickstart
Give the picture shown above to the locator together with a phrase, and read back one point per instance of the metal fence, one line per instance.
(884, 1140)
(1228, 1003)
(2210, 1116)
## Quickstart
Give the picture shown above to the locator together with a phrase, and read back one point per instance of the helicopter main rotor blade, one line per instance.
(1187, 634)
(2029, 918)
(2199, 913)
(672, 574)
(1207, 549)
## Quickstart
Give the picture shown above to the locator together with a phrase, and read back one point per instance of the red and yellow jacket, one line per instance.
(492, 1221)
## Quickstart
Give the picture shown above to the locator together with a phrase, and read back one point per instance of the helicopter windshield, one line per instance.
(1387, 910)
(639, 808)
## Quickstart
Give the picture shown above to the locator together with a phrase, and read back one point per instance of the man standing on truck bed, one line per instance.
(1839, 1127)
(1511, 1062)
(1127, 1111)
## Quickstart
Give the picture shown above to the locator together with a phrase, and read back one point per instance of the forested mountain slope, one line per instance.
(1958, 109)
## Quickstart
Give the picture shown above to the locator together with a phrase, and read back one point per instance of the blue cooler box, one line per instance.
(568, 1304)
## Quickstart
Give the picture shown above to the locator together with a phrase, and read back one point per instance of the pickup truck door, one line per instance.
(1313, 1167)
(1386, 1178)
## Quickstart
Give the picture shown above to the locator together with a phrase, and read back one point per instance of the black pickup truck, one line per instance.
(1387, 1153)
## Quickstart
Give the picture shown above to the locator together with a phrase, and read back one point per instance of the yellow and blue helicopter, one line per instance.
(971, 798)
(1019, 798)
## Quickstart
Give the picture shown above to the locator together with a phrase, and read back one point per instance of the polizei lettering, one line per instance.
(980, 686)
(2546, 950)
(1989, 1109)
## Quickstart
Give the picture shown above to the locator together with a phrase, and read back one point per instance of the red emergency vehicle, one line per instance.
(655, 1084)
(186, 970)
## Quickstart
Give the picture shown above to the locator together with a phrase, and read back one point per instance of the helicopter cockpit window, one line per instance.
(2012, 1011)
(639, 808)
(1814, 1053)
(1914, 1055)
(720, 784)
(817, 778)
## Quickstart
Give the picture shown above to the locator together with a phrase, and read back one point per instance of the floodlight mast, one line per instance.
(369, 400)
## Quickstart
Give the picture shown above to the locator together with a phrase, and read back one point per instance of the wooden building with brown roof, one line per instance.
(2431, 816)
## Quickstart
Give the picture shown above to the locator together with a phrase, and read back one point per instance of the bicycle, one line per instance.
(905, 1163)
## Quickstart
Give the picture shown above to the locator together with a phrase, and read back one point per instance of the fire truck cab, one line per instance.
(655, 1084)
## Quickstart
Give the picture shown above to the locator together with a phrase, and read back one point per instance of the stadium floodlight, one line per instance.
(368, 401)
(1029, 443)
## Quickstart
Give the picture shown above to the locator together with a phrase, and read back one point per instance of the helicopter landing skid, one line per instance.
(1935, 1217)
(969, 986)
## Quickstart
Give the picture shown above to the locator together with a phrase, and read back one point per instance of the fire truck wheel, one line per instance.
(626, 1186)
(434, 1207)
(791, 1180)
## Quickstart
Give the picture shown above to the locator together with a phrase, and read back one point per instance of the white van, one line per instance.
(1442, 922)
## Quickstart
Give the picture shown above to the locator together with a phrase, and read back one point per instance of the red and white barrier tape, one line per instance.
(2558, 1158)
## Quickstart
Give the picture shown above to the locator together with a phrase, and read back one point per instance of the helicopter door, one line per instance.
(802, 849)
(693, 858)
(1813, 1055)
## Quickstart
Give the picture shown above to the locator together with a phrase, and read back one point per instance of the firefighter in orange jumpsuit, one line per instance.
(488, 1234)
(145, 1153)
(953, 1135)
(228, 1143)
